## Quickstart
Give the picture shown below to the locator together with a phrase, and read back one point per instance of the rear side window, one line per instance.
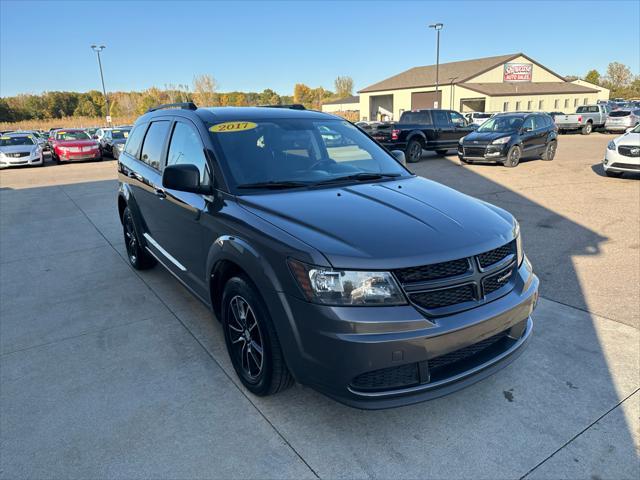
(440, 118)
(134, 141)
(186, 148)
(416, 117)
(154, 142)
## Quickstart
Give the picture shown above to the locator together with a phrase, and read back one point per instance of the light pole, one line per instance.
(98, 49)
(437, 27)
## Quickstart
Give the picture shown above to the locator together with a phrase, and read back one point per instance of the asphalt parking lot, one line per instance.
(109, 372)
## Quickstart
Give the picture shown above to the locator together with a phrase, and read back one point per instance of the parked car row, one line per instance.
(20, 148)
(599, 116)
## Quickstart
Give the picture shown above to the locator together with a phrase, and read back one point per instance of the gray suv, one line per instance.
(326, 261)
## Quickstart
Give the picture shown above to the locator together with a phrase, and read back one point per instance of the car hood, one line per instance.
(18, 148)
(628, 139)
(75, 143)
(485, 137)
(386, 225)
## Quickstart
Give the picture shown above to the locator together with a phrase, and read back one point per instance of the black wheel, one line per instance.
(251, 340)
(513, 157)
(611, 173)
(139, 258)
(550, 151)
(414, 151)
(587, 129)
(442, 152)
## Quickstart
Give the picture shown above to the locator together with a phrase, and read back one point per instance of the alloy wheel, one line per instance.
(245, 338)
(130, 238)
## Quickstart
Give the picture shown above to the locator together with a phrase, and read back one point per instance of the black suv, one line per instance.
(325, 260)
(508, 137)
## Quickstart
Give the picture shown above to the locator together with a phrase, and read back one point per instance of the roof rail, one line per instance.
(292, 106)
(183, 106)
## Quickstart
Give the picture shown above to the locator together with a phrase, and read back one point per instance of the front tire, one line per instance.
(139, 257)
(414, 151)
(513, 157)
(550, 151)
(587, 129)
(252, 342)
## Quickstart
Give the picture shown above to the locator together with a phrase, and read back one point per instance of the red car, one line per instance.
(73, 144)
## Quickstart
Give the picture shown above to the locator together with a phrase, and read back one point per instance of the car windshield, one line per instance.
(501, 124)
(288, 153)
(71, 135)
(119, 134)
(14, 141)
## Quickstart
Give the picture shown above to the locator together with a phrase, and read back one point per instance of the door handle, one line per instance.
(160, 193)
(135, 176)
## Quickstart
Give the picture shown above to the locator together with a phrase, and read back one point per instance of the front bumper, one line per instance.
(79, 156)
(614, 161)
(483, 153)
(336, 345)
(6, 162)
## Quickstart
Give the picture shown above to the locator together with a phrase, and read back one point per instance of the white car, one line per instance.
(477, 118)
(623, 154)
(20, 149)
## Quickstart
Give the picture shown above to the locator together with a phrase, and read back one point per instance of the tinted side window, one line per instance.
(528, 123)
(440, 118)
(186, 147)
(416, 117)
(153, 143)
(134, 141)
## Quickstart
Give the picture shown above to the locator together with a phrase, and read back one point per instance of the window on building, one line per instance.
(540, 105)
(505, 107)
(585, 101)
(575, 102)
(556, 104)
(517, 106)
(530, 105)
(566, 103)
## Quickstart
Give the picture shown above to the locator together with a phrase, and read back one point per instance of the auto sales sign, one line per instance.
(517, 72)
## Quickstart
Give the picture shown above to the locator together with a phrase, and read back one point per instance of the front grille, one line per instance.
(497, 281)
(433, 272)
(18, 154)
(494, 256)
(388, 378)
(474, 151)
(628, 166)
(626, 150)
(463, 353)
(444, 297)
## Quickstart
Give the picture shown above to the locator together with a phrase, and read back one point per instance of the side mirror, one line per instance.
(184, 178)
(399, 154)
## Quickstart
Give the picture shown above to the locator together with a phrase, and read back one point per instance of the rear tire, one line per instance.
(587, 129)
(139, 257)
(513, 157)
(252, 342)
(549, 151)
(414, 151)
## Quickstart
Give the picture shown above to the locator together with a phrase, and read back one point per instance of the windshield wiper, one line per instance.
(360, 177)
(274, 185)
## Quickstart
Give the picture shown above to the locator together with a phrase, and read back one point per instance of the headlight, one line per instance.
(519, 249)
(346, 287)
(611, 145)
(2, 155)
(120, 147)
(501, 141)
(460, 141)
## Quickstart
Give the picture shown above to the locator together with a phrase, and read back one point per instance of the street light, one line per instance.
(98, 49)
(437, 27)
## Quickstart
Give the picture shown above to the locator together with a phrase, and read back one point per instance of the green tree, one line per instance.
(344, 86)
(593, 76)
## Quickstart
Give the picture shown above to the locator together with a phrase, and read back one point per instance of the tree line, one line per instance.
(203, 91)
(618, 79)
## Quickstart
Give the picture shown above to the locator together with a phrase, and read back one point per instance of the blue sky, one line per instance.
(252, 46)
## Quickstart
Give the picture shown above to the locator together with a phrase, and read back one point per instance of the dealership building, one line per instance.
(505, 83)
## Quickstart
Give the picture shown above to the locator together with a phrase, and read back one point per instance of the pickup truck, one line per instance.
(586, 118)
(419, 130)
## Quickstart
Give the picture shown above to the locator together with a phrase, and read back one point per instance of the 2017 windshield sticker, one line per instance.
(228, 127)
(5, 138)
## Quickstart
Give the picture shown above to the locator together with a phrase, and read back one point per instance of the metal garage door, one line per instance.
(425, 100)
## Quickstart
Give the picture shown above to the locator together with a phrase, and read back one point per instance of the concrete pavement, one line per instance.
(108, 372)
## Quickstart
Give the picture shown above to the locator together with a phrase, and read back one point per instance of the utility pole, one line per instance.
(98, 49)
(437, 27)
